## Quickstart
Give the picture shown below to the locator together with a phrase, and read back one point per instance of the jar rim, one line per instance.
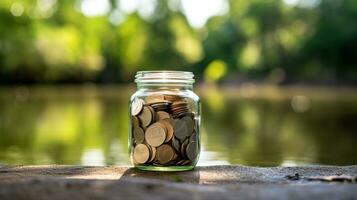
(164, 76)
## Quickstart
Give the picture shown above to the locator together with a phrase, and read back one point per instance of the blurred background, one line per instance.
(277, 78)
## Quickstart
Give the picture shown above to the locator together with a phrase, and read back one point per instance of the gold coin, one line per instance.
(165, 153)
(179, 108)
(146, 116)
(169, 128)
(175, 156)
(154, 98)
(170, 120)
(179, 103)
(163, 115)
(192, 150)
(155, 134)
(139, 135)
(152, 110)
(152, 153)
(180, 114)
(178, 111)
(135, 121)
(133, 160)
(141, 153)
(136, 106)
(153, 114)
(172, 97)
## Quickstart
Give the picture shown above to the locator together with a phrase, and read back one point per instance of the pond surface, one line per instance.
(249, 125)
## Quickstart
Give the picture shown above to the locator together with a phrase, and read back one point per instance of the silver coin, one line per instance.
(136, 106)
(192, 151)
(176, 144)
(190, 124)
(181, 130)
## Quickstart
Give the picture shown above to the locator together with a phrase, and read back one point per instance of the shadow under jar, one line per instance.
(164, 133)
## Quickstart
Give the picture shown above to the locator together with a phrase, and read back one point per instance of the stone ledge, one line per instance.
(212, 182)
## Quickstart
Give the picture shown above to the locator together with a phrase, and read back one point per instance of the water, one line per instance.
(259, 126)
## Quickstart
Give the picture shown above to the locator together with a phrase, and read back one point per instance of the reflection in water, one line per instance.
(88, 126)
(92, 157)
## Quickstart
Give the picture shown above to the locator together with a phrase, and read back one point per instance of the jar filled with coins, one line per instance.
(164, 132)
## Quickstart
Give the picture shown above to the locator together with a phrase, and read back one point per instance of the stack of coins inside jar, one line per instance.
(164, 131)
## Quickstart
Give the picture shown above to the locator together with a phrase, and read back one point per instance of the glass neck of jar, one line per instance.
(164, 86)
(164, 80)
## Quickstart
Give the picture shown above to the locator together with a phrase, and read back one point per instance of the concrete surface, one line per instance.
(211, 182)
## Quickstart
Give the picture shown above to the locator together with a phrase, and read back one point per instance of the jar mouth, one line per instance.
(164, 77)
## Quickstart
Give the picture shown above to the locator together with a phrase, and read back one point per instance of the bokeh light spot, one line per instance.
(17, 9)
(215, 70)
(199, 11)
(250, 55)
(93, 8)
(300, 103)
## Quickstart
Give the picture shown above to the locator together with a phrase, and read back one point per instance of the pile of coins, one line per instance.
(164, 131)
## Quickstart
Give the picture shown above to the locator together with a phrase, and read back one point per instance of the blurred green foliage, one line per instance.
(88, 125)
(49, 41)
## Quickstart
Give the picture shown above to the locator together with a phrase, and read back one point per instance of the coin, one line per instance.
(146, 116)
(154, 98)
(153, 113)
(163, 115)
(155, 134)
(161, 106)
(180, 108)
(166, 127)
(169, 128)
(179, 103)
(133, 160)
(193, 137)
(135, 121)
(189, 123)
(173, 98)
(186, 162)
(180, 162)
(136, 106)
(175, 156)
(157, 164)
(141, 153)
(176, 144)
(164, 153)
(139, 135)
(180, 129)
(152, 153)
(176, 111)
(192, 150)
(183, 148)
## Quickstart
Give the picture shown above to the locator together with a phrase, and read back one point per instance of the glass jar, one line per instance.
(164, 133)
